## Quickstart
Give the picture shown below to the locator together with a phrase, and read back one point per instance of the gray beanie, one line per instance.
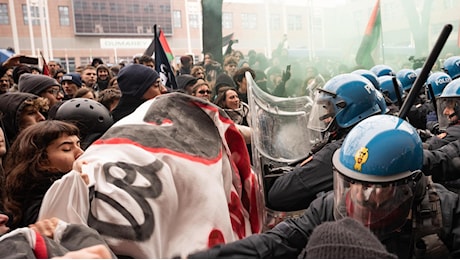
(35, 84)
(135, 79)
(346, 238)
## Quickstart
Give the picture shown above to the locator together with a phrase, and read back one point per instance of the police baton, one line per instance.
(418, 84)
(433, 99)
(397, 90)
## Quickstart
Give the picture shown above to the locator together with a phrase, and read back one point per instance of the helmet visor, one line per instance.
(322, 113)
(383, 207)
(447, 112)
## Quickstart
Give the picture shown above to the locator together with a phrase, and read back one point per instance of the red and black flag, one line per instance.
(371, 38)
(162, 62)
(46, 69)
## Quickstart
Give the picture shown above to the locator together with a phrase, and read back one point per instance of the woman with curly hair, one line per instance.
(41, 154)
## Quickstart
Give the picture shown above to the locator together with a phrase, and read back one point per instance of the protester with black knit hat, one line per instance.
(347, 239)
(223, 80)
(71, 82)
(185, 83)
(137, 83)
(41, 85)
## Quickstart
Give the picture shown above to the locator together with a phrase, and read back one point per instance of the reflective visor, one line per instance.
(383, 208)
(322, 113)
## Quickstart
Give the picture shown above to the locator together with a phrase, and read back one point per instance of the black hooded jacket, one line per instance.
(11, 105)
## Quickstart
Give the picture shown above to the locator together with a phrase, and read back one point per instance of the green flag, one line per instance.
(370, 39)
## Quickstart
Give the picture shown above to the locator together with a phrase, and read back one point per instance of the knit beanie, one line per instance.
(347, 239)
(224, 80)
(35, 83)
(135, 79)
(73, 77)
(19, 70)
(184, 80)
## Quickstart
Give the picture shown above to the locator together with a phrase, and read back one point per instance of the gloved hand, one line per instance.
(424, 134)
(434, 128)
(286, 76)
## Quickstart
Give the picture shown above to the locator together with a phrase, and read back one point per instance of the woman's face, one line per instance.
(3, 221)
(2, 143)
(203, 92)
(62, 153)
(232, 100)
(29, 116)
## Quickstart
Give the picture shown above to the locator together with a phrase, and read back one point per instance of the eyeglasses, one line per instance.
(54, 91)
(202, 92)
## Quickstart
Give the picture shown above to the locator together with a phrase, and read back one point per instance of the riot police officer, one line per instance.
(344, 101)
(448, 116)
(377, 181)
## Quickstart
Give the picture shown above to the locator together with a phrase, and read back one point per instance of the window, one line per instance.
(64, 15)
(85, 60)
(227, 20)
(177, 19)
(34, 15)
(149, 8)
(4, 18)
(96, 6)
(249, 21)
(121, 17)
(194, 20)
(275, 22)
(294, 23)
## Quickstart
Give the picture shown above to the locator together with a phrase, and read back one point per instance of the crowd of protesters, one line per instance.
(48, 121)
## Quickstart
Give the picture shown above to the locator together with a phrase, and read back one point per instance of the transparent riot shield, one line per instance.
(279, 139)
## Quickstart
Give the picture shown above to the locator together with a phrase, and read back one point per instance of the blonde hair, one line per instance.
(198, 84)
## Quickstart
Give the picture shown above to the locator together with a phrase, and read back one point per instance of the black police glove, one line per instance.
(424, 134)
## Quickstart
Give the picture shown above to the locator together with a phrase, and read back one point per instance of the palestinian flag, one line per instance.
(165, 45)
(151, 48)
(46, 69)
(163, 56)
(370, 39)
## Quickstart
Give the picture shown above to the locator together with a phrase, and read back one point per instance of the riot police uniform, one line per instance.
(344, 101)
(378, 183)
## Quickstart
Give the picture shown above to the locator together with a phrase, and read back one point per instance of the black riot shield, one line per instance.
(279, 139)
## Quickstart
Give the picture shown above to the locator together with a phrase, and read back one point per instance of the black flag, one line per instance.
(162, 65)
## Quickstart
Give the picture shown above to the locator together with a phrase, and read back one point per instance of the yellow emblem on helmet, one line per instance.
(361, 158)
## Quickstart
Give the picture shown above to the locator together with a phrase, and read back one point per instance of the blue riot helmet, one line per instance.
(376, 172)
(452, 66)
(407, 78)
(382, 70)
(438, 81)
(388, 89)
(448, 105)
(344, 100)
(368, 75)
(382, 102)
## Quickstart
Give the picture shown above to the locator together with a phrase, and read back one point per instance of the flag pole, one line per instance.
(382, 47)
